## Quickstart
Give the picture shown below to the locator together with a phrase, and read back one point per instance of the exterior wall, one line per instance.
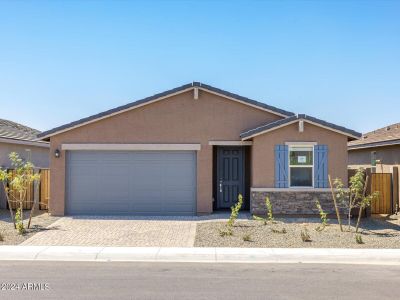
(39, 156)
(263, 155)
(178, 119)
(389, 156)
(287, 202)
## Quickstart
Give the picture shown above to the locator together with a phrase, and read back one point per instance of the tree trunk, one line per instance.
(361, 205)
(336, 207)
(349, 214)
(9, 205)
(35, 202)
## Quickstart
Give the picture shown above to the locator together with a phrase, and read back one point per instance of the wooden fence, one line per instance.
(29, 199)
(387, 184)
(382, 183)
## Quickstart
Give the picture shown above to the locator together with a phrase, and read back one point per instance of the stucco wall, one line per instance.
(263, 156)
(178, 119)
(389, 156)
(39, 156)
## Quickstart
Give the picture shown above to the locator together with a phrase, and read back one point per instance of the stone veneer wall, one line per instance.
(292, 202)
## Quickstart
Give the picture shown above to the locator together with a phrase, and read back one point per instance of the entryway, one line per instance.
(231, 176)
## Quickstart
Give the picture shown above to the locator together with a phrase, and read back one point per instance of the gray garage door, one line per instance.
(131, 182)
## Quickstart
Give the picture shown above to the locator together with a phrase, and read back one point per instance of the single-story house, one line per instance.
(19, 138)
(378, 150)
(192, 150)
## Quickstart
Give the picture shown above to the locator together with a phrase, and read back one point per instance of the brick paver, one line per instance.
(128, 231)
(69, 231)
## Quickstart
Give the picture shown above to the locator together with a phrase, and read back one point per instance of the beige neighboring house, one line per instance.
(191, 150)
(381, 146)
(18, 138)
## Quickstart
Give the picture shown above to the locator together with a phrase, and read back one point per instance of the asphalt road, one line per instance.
(98, 280)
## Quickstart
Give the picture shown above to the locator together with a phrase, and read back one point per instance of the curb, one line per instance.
(203, 255)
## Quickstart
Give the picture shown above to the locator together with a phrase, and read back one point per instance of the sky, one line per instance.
(335, 60)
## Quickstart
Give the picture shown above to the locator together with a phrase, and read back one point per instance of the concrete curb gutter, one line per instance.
(207, 255)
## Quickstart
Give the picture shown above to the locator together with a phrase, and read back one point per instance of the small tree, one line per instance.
(355, 195)
(232, 219)
(19, 181)
(322, 214)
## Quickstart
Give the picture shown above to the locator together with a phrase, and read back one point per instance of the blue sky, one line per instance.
(338, 60)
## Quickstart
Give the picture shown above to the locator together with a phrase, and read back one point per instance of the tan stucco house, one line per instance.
(192, 150)
(378, 150)
(15, 137)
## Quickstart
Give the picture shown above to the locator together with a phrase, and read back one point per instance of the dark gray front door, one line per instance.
(230, 175)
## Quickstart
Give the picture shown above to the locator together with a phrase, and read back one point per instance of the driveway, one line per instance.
(129, 231)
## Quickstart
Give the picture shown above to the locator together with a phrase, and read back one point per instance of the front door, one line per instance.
(230, 175)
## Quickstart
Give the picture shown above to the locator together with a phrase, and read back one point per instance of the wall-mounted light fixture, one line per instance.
(57, 153)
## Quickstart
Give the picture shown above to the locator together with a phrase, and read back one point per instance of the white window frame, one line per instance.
(297, 145)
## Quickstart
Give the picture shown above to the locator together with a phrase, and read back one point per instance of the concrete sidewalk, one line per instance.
(210, 255)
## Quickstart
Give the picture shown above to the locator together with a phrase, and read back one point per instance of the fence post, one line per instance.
(395, 178)
(36, 189)
(368, 172)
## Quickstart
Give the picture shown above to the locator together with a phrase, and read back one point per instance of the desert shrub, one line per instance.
(226, 231)
(268, 210)
(265, 222)
(235, 211)
(228, 228)
(305, 235)
(282, 230)
(322, 214)
(359, 239)
(247, 238)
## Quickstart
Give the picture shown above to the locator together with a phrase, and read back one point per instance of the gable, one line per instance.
(195, 88)
(178, 119)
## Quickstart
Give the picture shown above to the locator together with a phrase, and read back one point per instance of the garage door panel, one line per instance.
(128, 182)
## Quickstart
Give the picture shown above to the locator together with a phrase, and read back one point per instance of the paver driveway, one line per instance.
(120, 231)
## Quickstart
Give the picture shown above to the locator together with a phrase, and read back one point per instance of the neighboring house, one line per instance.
(191, 150)
(18, 138)
(378, 150)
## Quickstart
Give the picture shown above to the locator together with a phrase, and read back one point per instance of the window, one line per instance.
(301, 166)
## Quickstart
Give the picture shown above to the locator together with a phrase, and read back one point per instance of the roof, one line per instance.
(293, 119)
(388, 135)
(160, 96)
(12, 132)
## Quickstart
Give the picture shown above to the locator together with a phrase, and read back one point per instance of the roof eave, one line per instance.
(255, 132)
(45, 136)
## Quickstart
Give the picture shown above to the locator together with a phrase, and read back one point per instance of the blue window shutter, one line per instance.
(281, 166)
(321, 166)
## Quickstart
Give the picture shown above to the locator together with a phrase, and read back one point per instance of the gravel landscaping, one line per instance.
(376, 232)
(10, 235)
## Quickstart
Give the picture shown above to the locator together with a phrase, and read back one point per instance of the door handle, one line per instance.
(220, 186)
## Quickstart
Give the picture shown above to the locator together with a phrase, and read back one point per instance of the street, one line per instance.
(101, 280)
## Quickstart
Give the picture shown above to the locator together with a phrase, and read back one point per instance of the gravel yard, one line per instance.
(10, 235)
(376, 232)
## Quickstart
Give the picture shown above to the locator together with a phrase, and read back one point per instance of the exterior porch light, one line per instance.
(57, 153)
